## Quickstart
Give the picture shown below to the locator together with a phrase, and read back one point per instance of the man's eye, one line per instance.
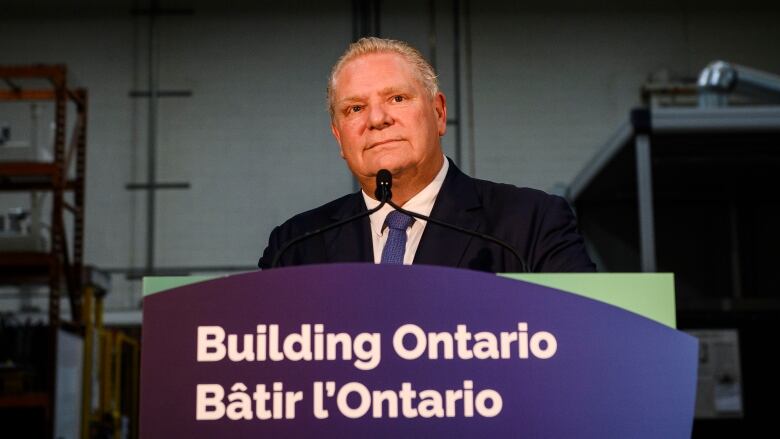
(355, 108)
(398, 98)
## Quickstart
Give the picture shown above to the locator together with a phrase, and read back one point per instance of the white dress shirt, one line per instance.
(421, 203)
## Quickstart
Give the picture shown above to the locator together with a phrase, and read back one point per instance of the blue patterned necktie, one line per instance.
(397, 222)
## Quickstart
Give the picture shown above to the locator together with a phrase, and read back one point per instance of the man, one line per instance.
(387, 113)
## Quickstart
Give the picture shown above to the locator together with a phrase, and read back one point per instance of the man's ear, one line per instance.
(337, 136)
(440, 107)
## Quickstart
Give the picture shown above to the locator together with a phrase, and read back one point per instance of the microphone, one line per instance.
(384, 181)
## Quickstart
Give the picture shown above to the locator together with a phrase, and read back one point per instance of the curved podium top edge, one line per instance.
(650, 295)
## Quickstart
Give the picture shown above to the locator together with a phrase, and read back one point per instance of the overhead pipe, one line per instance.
(720, 78)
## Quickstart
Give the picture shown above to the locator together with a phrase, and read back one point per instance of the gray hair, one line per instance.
(369, 45)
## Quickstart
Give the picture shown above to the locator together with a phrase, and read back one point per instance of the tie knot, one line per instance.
(398, 220)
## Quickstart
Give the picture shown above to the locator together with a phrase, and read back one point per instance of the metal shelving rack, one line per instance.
(694, 191)
(61, 267)
(627, 166)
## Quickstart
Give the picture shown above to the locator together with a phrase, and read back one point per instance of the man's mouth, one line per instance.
(382, 142)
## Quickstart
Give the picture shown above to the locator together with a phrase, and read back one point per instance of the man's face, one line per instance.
(384, 118)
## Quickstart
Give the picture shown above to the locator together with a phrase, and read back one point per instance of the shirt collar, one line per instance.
(422, 202)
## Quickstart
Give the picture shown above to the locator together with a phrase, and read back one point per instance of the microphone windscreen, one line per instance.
(384, 181)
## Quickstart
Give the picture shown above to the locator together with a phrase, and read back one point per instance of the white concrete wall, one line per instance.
(550, 84)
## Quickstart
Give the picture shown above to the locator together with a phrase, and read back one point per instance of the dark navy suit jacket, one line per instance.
(541, 227)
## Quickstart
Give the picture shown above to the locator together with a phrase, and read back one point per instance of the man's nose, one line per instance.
(379, 117)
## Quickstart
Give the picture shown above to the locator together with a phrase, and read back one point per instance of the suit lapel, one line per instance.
(351, 242)
(457, 203)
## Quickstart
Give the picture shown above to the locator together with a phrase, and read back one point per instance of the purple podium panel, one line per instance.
(364, 350)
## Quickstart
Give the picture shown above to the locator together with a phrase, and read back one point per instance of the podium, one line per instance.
(364, 350)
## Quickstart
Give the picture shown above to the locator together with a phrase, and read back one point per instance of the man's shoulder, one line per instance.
(494, 194)
(542, 226)
(324, 214)
(306, 222)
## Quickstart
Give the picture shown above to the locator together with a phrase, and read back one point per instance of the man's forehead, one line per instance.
(362, 94)
(382, 72)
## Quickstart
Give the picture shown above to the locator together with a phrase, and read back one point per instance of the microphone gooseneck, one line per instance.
(503, 244)
(384, 181)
